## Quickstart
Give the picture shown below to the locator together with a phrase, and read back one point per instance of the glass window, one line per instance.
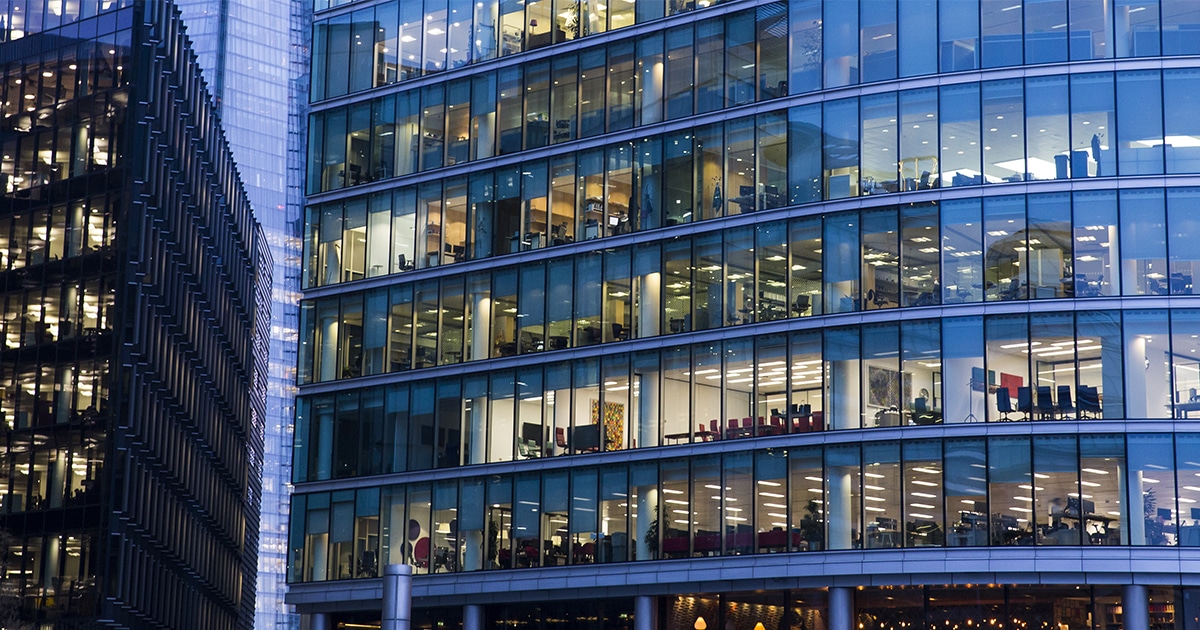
(920, 356)
(1181, 98)
(1092, 119)
(1049, 255)
(646, 419)
(840, 37)
(509, 110)
(1181, 221)
(884, 394)
(564, 98)
(676, 385)
(880, 259)
(843, 496)
(1001, 24)
(562, 200)
(1096, 265)
(771, 254)
(618, 295)
(708, 283)
(879, 140)
(882, 496)
(771, 26)
(844, 368)
(805, 251)
(1052, 348)
(740, 58)
(644, 519)
(1047, 127)
(842, 254)
(1045, 32)
(1009, 491)
(966, 492)
(433, 126)
(1152, 490)
(483, 116)
(679, 178)
(677, 285)
(650, 79)
(587, 300)
(918, 46)
(614, 512)
(805, 143)
(918, 139)
(738, 519)
(841, 148)
(1008, 352)
(771, 502)
(1099, 392)
(559, 304)
(958, 24)
(400, 329)
(1005, 248)
(1143, 243)
(710, 170)
(1139, 122)
(504, 312)
(920, 282)
(807, 477)
(591, 92)
(1179, 21)
(676, 516)
(1147, 365)
(534, 205)
(962, 370)
(739, 388)
(739, 167)
(1187, 468)
(1185, 360)
(706, 390)
(1091, 29)
(531, 309)
(679, 72)
(960, 165)
(537, 101)
(710, 46)
(1004, 132)
(805, 43)
(407, 132)
(878, 40)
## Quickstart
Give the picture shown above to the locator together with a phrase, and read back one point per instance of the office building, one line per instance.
(649, 314)
(137, 294)
(252, 54)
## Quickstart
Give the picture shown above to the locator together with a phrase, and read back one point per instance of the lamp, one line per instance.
(700, 625)
(759, 626)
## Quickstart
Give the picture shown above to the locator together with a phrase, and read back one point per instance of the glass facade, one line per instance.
(134, 298)
(759, 310)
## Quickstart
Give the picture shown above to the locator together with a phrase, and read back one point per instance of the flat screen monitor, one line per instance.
(531, 433)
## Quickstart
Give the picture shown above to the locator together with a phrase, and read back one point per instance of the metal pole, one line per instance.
(1135, 604)
(397, 597)
(841, 608)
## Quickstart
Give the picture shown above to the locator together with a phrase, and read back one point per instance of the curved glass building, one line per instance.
(854, 314)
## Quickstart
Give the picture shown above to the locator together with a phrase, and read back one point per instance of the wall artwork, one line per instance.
(886, 388)
(614, 423)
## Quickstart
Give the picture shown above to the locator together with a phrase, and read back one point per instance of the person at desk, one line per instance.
(1058, 509)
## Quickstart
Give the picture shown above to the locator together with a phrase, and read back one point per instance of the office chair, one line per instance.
(1003, 403)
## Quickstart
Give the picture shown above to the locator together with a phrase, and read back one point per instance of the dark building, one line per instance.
(136, 289)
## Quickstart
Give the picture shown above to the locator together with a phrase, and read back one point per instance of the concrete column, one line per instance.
(844, 395)
(648, 407)
(1137, 508)
(647, 501)
(473, 551)
(1135, 605)
(481, 317)
(473, 618)
(397, 597)
(477, 425)
(838, 514)
(841, 608)
(318, 621)
(1137, 370)
(650, 306)
(645, 613)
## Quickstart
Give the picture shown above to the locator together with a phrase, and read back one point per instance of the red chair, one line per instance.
(715, 429)
(777, 425)
(421, 553)
(560, 438)
(731, 430)
(702, 433)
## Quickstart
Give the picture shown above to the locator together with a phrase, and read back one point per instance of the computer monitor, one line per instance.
(531, 433)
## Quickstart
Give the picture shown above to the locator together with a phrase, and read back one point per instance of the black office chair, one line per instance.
(1065, 408)
(1003, 403)
(1025, 402)
(921, 413)
(1045, 403)
(1089, 401)
(803, 302)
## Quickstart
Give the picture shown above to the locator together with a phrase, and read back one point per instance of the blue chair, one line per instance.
(1003, 403)
(1045, 403)
(1025, 402)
